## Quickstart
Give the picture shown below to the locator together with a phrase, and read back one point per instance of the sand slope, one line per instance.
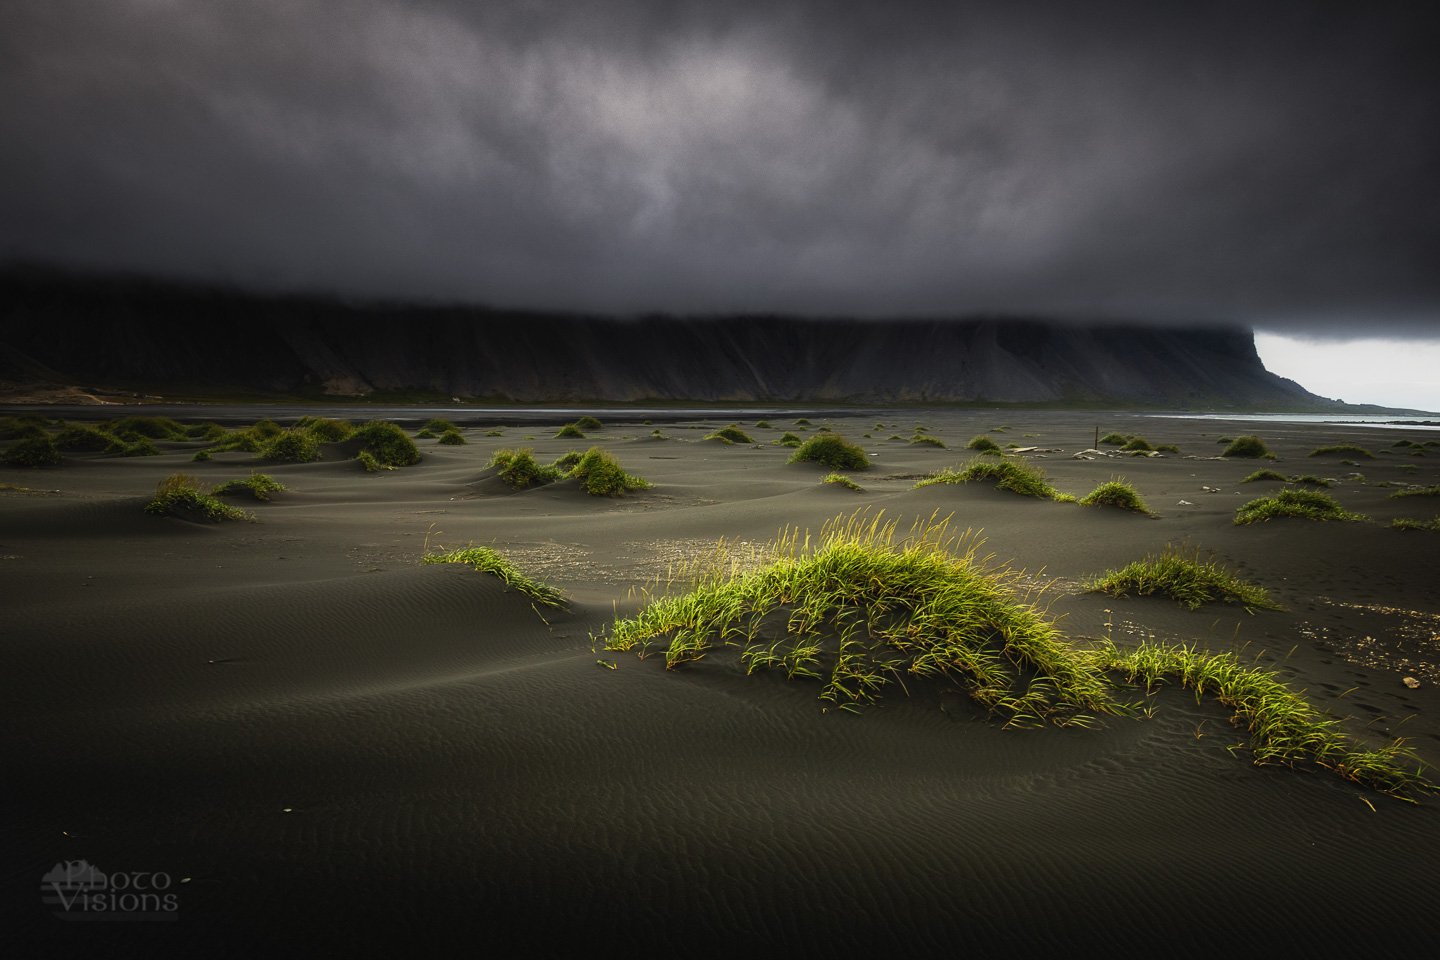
(344, 749)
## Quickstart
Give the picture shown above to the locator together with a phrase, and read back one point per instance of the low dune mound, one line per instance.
(1013, 475)
(858, 608)
(179, 495)
(488, 560)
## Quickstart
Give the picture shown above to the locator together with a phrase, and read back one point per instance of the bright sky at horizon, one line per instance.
(1387, 372)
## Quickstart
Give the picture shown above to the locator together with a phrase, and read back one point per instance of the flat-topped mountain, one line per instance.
(184, 339)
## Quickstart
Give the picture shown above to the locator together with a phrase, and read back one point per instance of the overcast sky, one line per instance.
(1275, 164)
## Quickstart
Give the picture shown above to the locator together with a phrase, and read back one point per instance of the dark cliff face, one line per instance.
(173, 338)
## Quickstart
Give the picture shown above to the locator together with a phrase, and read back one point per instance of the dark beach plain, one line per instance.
(339, 748)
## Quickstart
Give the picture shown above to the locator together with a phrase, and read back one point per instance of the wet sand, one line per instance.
(338, 748)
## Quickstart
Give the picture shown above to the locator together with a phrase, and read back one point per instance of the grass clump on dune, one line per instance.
(291, 446)
(387, 443)
(1344, 450)
(32, 452)
(179, 495)
(1116, 493)
(787, 439)
(153, 428)
(1247, 447)
(569, 432)
(81, 436)
(1431, 491)
(22, 428)
(367, 460)
(491, 561)
(925, 439)
(1138, 445)
(438, 425)
(1283, 726)
(1305, 504)
(1115, 439)
(1013, 475)
(521, 470)
(861, 609)
(602, 476)
(1409, 523)
(1187, 580)
(1266, 474)
(840, 480)
(983, 444)
(730, 434)
(589, 423)
(858, 608)
(831, 450)
(325, 429)
(566, 462)
(451, 438)
(258, 485)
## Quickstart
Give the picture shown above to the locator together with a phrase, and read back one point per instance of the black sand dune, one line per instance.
(344, 750)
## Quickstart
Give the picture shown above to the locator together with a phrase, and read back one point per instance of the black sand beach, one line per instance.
(328, 747)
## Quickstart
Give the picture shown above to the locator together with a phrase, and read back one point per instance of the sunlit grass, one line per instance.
(1116, 493)
(493, 562)
(1014, 475)
(1186, 579)
(1290, 502)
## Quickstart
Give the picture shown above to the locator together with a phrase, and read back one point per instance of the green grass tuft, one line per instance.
(1187, 580)
(602, 476)
(730, 434)
(1013, 475)
(141, 447)
(833, 451)
(1266, 474)
(925, 439)
(1343, 449)
(1115, 493)
(1248, 447)
(1305, 504)
(368, 460)
(179, 495)
(491, 561)
(324, 429)
(1115, 439)
(787, 440)
(80, 436)
(32, 452)
(1139, 444)
(1408, 523)
(839, 479)
(569, 432)
(1431, 491)
(258, 485)
(387, 443)
(521, 470)
(983, 444)
(451, 438)
(589, 423)
(291, 446)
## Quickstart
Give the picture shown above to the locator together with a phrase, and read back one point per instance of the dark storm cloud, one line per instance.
(1268, 163)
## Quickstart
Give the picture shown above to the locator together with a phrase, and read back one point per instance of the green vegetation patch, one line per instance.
(1266, 474)
(81, 436)
(140, 447)
(438, 425)
(924, 439)
(856, 609)
(1431, 491)
(602, 476)
(1408, 523)
(179, 495)
(22, 428)
(1344, 450)
(154, 428)
(787, 440)
(1185, 579)
(1305, 504)
(1137, 444)
(491, 561)
(569, 432)
(831, 450)
(840, 480)
(291, 446)
(589, 423)
(730, 434)
(260, 486)
(367, 460)
(451, 438)
(1247, 447)
(33, 452)
(521, 470)
(983, 444)
(387, 443)
(1013, 475)
(1116, 493)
